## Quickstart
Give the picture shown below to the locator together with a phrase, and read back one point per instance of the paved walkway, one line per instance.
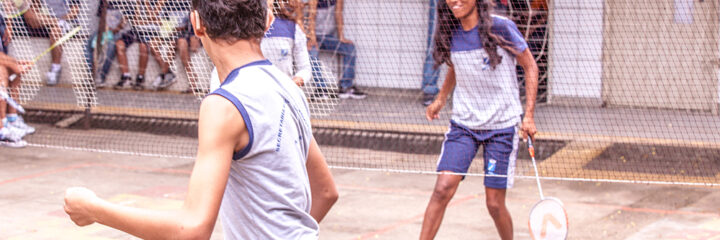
(399, 110)
(372, 205)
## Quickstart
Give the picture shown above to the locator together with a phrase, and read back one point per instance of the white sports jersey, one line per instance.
(268, 191)
(486, 98)
(285, 45)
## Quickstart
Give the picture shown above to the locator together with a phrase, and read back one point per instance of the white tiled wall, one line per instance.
(390, 38)
(576, 45)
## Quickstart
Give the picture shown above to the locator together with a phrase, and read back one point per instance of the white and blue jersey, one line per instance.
(486, 98)
(486, 106)
(268, 191)
(285, 45)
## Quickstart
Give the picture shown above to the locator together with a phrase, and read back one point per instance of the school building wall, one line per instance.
(645, 53)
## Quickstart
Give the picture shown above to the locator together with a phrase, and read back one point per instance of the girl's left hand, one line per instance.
(528, 128)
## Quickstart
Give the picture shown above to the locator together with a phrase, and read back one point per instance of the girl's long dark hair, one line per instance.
(448, 23)
(286, 9)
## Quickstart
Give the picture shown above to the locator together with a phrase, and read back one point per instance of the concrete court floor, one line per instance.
(372, 205)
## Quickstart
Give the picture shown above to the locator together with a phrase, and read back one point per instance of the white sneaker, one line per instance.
(157, 83)
(52, 77)
(13, 144)
(11, 134)
(169, 79)
(21, 125)
(163, 81)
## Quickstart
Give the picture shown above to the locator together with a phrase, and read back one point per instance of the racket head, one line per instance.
(548, 220)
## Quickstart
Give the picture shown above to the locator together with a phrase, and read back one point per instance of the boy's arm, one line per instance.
(433, 110)
(339, 20)
(322, 185)
(218, 137)
(527, 61)
(312, 18)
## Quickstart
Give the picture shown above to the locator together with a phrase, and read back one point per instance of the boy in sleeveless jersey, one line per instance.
(256, 152)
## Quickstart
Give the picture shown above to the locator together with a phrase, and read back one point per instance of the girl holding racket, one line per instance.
(481, 51)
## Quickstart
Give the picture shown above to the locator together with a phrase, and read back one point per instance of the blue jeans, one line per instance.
(109, 55)
(430, 73)
(320, 81)
(346, 50)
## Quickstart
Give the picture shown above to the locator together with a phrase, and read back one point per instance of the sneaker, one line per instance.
(138, 85)
(164, 81)
(168, 80)
(11, 134)
(53, 77)
(16, 133)
(100, 84)
(351, 92)
(427, 99)
(21, 125)
(13, 144)
(190, 91)
(124, 80)
(319, 96)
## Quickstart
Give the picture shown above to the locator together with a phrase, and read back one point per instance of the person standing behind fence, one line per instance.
(430, 72)
(114, 24)
(285, 44)
(481, 51)
(327, 32)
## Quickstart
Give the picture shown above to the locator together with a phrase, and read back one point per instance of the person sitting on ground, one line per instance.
(142, 34)
(13, 127)
(186, 44)
(49, 18)
(114, 25)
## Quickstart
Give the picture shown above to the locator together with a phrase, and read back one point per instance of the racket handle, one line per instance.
(531, 149)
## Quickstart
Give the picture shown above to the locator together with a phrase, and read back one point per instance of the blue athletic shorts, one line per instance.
(499, 152)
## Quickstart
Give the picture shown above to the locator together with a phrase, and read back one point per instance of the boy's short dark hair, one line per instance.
(232, 20)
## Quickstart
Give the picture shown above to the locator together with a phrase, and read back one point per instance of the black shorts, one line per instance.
(185, 34)
(135, 35)
(35, 32)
